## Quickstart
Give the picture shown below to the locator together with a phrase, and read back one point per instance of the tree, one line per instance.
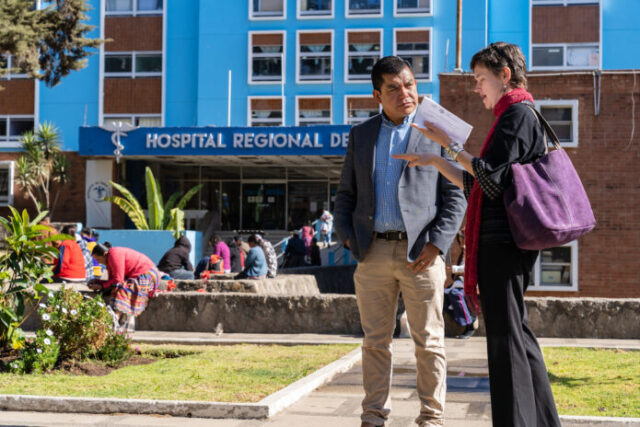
(161, 216)
(42, 168)
(46, 44)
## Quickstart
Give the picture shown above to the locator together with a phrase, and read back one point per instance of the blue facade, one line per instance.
(205, 39)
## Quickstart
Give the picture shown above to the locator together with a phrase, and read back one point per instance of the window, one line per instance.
(363, 8)
(133, 7)
(267, 9)
(139, 120)
(6, 183)
(562, 115)
(315, 51)
(6, 64)
(563, 2)
(364, 49)
(266, 111)
(315, 8)
(412, 7)
(359, 108)
(266, 57)
(12, 128)
(133, 64)
(557, 269)
(313, 110)
(565, 56)
(413, 47)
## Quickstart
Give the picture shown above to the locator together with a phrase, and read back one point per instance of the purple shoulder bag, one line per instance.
(546, 204)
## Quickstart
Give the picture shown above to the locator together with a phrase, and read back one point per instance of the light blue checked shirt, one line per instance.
(392, 139)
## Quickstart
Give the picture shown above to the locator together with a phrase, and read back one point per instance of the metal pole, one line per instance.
(459, 38)
(229, 102)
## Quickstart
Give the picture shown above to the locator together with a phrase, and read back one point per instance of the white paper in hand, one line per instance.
(430, 111)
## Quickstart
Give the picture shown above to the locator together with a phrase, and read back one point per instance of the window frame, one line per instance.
(395, 49)
(299, 57)
(283, 67)
(564, 65)
(397, 14)
(10, 75)
(132, 117)
(346, 107)
(5, 140)
(134, 11)
(133, 74)
(302, 16)
(537, 272)
(297, 109)
(253, 17)
(363, 15)
(566, 103)
(347, 53)
(562, 2)
(250, 98)
(9, 197)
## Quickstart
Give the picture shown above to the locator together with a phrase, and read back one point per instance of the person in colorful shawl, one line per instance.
(133, 279)
(519, 385)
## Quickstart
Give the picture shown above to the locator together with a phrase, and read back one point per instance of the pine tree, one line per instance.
(46, 44)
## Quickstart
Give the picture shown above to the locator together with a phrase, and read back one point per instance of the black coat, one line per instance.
(176, 257)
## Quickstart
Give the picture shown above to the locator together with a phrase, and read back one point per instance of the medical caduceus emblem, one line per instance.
(118, 130)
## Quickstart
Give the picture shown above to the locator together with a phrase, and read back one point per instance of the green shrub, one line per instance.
(39, 355)
(81, 324)
(116, 348)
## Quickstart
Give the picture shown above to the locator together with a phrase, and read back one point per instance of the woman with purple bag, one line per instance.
(519, 384)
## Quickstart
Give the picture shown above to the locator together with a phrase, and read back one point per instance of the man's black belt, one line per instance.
(392, 235)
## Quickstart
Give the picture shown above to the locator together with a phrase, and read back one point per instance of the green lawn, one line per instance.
(236, 373)
(597, 382)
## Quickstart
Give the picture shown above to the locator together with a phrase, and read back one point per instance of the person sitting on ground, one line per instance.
(295, 252)
(133, 279)
(255, 266)
(315, 252)
(175, 262)
(243, 246)
(70, 266)
(270, 255)
(219, 248)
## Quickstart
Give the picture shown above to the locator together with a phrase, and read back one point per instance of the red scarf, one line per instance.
(474, 210)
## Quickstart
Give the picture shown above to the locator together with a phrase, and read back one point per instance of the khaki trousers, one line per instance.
(378, 280)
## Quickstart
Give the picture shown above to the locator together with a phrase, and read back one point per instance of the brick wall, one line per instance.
(607, 159)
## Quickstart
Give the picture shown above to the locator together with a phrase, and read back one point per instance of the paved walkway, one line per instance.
(338, 403)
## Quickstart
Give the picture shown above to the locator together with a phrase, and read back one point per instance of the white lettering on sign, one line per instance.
(247, 140)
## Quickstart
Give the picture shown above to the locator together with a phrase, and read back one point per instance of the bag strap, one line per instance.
(546, 127)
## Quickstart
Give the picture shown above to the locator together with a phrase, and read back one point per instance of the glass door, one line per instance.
(263, 206)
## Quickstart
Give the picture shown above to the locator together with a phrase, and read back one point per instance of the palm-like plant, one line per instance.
(42, 168)
(160, 216)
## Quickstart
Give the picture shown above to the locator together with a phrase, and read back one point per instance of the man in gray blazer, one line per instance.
(397, 221)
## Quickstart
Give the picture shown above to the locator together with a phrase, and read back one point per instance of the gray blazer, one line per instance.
(432, 207)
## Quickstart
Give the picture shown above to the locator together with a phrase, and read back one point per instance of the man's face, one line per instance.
(398, 95)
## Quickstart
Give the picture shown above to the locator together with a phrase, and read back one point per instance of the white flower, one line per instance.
(49, 332)
(42, 305)
(14, 366)
(74, 312)
(47, 341)
(50, 294)
(39, 350)
(64, 310)
(46, 317)
(101, 304)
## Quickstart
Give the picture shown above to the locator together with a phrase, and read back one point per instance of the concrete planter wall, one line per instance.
(152, 243)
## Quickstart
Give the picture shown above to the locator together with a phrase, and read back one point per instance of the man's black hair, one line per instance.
(388, 65)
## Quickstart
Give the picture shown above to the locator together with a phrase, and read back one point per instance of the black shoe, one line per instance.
(467, 333)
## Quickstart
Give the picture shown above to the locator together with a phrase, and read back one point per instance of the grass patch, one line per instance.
(237, 373)
(595, 382)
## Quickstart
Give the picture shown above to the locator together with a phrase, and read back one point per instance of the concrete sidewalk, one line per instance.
(338, 403)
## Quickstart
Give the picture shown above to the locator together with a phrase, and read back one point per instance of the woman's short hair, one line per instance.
(498, 55)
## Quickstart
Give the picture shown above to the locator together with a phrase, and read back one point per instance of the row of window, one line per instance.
(133, 64)
(562, 2)
(315, 53)
(565, 55)
(313, 9)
